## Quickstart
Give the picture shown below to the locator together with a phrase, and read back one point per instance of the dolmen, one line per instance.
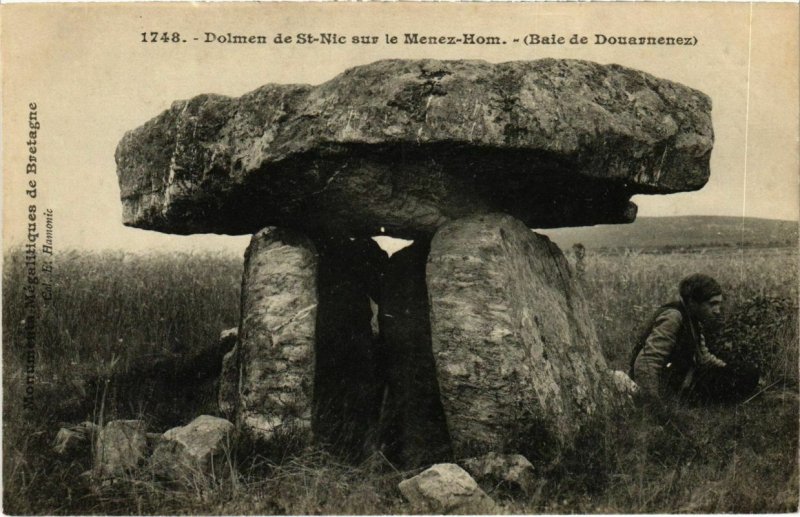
(476, 337)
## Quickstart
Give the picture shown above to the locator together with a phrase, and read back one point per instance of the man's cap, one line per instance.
(699, 288)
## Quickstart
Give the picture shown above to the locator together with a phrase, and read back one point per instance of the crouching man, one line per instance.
(671, 358)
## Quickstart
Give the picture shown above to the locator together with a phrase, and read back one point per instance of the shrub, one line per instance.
(760, 332)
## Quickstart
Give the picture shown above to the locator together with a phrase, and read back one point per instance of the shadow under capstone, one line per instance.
(348, 384)
(375, 385)
(413, 426)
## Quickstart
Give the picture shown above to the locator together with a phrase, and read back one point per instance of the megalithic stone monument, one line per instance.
(460, 156)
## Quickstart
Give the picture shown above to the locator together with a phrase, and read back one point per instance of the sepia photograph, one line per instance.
(300, 258)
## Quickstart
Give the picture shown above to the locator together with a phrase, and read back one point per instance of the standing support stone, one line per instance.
(276, 338)
(519, 364)
(228, 394)
(413, 423)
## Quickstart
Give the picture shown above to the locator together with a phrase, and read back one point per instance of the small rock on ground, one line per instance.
(446, 488)
(75, 439)
(121, 445)
(198, 448)
(511, 471)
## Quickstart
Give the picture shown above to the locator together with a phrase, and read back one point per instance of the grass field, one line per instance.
(111, 311)
(689, 232)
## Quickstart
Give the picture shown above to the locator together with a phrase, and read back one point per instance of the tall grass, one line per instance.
(114, 305)
(108, 310)
(111, 309)
(624, 289)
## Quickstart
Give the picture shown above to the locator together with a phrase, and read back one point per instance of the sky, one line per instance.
(92, 79)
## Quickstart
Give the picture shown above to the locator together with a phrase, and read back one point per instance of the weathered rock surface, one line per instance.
(518, 360)
(228, 338)
(348, 386)
(409, 145)
(120, 447)
(196, 449)
(446, 488)
(75, 439)
(413, 427)
(228, 392)
(624, 384)
(277, 333)
(512, 472)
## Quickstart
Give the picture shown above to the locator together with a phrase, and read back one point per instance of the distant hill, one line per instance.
(681, 232)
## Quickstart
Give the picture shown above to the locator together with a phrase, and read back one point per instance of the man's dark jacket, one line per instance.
(669, 350)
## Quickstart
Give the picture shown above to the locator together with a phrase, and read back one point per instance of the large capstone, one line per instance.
(277, 335)
(410, 145)
(519, 364)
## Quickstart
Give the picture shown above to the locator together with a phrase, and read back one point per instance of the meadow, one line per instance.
(112, 313)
